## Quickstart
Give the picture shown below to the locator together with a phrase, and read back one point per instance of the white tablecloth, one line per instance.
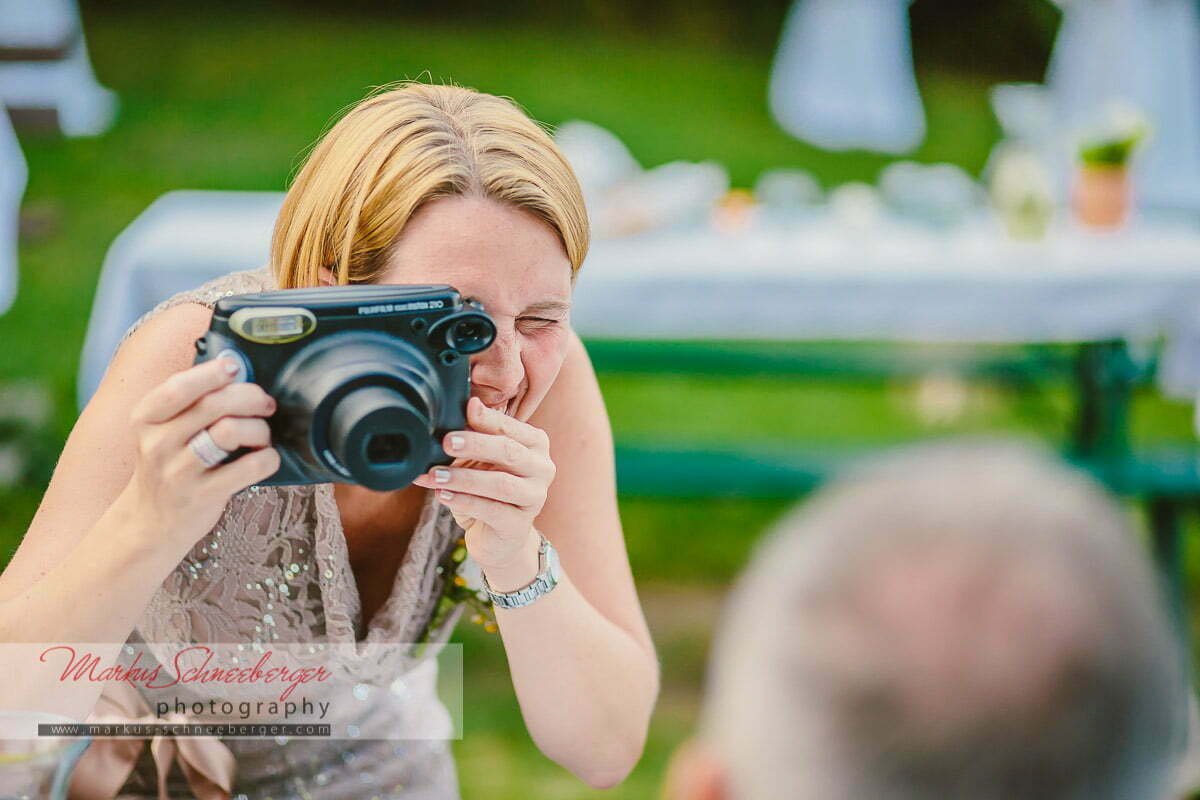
(817, 279)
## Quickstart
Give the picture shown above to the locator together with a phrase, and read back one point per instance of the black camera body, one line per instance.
(368, 378)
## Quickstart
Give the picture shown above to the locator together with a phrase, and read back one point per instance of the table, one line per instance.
(817, 278)
(826, 279)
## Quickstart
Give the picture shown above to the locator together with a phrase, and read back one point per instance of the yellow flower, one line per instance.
(459, 580)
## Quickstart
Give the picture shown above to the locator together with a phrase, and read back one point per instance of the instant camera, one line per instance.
(368, 378)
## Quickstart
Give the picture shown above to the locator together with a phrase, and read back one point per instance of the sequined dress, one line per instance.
(275, 568)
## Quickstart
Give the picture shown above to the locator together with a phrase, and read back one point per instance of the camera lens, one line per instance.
(387, 448)
(371, 432)
(363, 406)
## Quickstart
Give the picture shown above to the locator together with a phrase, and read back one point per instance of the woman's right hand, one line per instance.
(176, 495)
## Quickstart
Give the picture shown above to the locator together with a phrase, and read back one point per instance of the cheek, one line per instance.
(542, 357)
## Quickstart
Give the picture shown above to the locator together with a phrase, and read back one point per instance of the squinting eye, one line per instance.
(540, 322)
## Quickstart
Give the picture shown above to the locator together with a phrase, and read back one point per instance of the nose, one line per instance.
(499, 368)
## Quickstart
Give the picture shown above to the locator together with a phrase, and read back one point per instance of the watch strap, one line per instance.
(542, 584)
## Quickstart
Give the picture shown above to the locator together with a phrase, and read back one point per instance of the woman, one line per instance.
(418, 184)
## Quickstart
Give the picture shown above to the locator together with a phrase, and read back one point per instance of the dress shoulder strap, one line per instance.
(259, 279)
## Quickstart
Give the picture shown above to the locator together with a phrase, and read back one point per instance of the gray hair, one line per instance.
(962, 620)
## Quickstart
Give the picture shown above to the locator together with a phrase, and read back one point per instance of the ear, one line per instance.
(695, 773)
(327, 277)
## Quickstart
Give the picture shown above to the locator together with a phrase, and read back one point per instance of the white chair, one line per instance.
(1146, 52)
(13, 174)
(181, 240)
(45, 69)
(843, 76)
(37, 31)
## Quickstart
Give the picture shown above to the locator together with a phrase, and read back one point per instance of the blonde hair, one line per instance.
(396, 150)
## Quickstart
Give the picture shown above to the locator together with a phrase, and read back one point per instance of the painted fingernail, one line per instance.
(230, 366)
(441, 475)
(456, 442)
(446, 494)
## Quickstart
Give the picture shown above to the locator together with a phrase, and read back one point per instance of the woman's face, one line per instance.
(515, 265)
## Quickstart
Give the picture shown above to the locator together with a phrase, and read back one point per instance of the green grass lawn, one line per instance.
(219, 101)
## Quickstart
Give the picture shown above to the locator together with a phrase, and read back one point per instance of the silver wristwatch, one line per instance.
(547, 578)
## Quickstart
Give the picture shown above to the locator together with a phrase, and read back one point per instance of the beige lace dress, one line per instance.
(275, 568)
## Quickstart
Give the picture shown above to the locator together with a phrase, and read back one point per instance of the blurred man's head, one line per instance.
(961, 621)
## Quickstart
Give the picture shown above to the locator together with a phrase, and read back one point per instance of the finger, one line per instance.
(243, 471)
(499, 515)
(230, 433)
(489, 420)
(497, 485)
(470, 463)
(234, 400)
(182, 389)
(493, 449)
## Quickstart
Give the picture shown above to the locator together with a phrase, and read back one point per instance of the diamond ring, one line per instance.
(206, 449)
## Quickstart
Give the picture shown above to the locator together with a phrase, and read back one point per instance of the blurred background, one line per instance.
(970, 235)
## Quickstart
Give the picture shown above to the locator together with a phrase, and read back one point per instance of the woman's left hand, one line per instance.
(497, 483)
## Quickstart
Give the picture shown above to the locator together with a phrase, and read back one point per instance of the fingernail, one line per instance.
(231, 367)
(441, 475)
(446, 494)
(456, 442)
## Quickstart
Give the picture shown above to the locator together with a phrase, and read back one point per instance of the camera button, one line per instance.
(243, 373)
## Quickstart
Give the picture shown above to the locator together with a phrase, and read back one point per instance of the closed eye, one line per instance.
(538, 322)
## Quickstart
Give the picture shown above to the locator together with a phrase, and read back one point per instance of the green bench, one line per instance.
(1166, 479)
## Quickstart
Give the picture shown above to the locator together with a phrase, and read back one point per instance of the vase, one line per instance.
(1102, 196)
